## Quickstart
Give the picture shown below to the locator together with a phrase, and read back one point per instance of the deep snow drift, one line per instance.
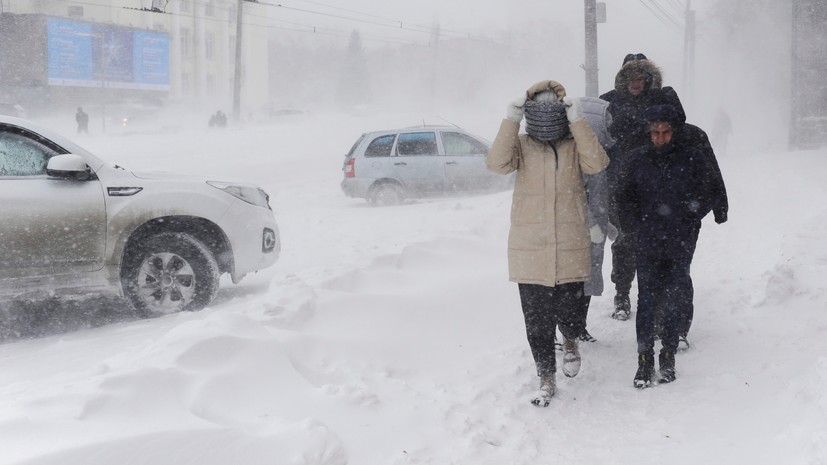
(392, 335)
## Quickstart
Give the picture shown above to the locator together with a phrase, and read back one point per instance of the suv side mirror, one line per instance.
(69, 166)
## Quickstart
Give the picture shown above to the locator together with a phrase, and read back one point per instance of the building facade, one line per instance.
(66, 53)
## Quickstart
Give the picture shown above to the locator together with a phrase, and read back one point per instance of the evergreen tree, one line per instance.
(354, 83)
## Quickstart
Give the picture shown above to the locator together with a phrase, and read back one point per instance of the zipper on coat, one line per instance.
(556, 158)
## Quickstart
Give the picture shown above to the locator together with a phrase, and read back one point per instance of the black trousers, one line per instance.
(624, 265)
(665, 289)
(544, 309)
(624, 261)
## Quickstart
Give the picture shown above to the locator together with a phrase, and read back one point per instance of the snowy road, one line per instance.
(392, 336)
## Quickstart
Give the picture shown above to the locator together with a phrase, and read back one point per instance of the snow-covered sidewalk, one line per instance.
(392, 336)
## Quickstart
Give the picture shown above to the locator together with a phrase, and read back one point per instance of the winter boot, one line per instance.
(645, 370)
(666, 361)
(543, 395)
(623, 307)
(557, 346)
(571, 358)
(586, 337)
(683, 342)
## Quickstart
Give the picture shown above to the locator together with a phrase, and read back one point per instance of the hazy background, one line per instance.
(488, 52)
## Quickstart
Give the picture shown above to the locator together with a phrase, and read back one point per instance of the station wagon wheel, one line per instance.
(169, 273)
(386, 194)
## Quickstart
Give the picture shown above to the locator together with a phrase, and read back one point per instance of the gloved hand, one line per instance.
(612, 232)
(720, 216)
(514, 112)
(574, 110)
(596, 234)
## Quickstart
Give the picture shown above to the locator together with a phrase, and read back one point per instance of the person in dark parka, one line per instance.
(693, 136)
(662, 198)
(638, 85)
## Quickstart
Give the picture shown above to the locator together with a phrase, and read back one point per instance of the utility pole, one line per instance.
(689, 51)
(795, 100)
(237, 74)
(591, 48)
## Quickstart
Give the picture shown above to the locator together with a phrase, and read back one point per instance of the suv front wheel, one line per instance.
(169, 273)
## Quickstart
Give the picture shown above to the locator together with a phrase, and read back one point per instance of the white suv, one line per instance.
(385, 167)
(72, 224)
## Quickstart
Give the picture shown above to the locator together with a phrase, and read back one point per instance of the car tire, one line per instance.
(386, 194)
(168, 273)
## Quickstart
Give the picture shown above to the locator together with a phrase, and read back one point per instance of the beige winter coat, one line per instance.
(549, 241)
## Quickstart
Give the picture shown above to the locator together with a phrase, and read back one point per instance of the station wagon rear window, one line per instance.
(380, 147)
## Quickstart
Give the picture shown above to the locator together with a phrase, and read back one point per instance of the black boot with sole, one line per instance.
(645, 370)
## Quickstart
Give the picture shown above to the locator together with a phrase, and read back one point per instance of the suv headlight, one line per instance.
(247, 192)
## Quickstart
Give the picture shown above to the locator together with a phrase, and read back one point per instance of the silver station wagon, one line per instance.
(73, 224)
(387, 167)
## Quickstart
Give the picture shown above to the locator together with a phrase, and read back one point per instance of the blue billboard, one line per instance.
(97, 55)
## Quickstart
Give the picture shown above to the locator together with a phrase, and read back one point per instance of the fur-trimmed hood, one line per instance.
(543, 86)
(650, 71)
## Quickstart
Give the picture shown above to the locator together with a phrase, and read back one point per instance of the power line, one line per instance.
(659, 16)
(388, 23)
(394, 21)
(666, 14)
(679, 7)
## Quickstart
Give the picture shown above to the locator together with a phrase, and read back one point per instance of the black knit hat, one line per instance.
(634, 57)
(665, 113)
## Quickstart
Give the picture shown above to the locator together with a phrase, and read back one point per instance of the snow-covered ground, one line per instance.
(390, 336)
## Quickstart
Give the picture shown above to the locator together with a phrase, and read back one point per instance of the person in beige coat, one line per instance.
(548, 244)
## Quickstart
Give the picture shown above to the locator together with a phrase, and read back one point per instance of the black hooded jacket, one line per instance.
(694, 136)
(628, 128)
(665, 196)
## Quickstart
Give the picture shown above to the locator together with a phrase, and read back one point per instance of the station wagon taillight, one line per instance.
(349, 169)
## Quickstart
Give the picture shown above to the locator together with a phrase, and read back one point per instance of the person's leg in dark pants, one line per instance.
(568, 304)
(679, 293)
(685, 299)
(545, 308)
(579, 316)
(649, 284)
(583, 313)
(540, 325)
(624, 264)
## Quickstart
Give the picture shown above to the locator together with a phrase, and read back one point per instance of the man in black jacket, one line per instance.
(693, 136)
(637, 87)
(663, 194)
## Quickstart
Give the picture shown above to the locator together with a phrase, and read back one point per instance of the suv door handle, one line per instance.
(401, 163)
(452, 163)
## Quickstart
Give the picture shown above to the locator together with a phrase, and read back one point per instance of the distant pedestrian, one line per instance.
(721, 130)
(83, 120)
(548, 245)
(218, 119)
(663, 195)
(637, 87)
